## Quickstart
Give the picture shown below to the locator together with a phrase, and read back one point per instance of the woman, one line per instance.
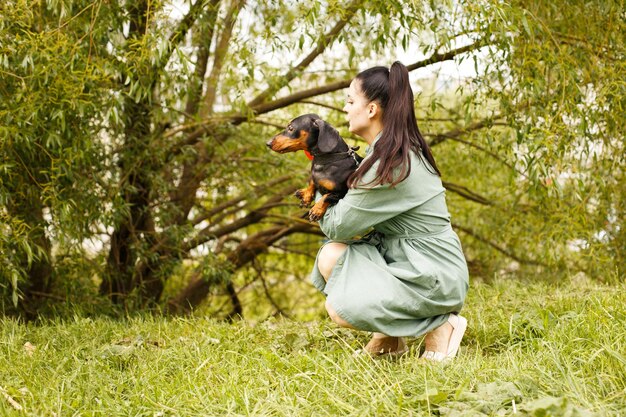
(407, 277)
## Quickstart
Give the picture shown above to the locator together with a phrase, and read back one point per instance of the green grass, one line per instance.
(531, 349)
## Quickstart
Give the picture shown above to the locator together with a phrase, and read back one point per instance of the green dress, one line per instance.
(405, 276)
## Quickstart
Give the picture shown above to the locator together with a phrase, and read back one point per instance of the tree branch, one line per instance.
(299, 96)
(497, 247)
(476, 146)
(294, 98)
(237, 118)
(199, 287)
(266, 289)
(600, 51)
(254, 216)
(328, 106)
(179, 34)
(220, 55)
(453, 134)
(204, 40)
(323, 42)
(467, 193)
(447, 56)
(231, 203)
(237, 312)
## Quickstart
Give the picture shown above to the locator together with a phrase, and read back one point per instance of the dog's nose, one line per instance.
(269, 143)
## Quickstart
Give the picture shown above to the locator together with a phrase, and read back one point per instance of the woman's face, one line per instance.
(357, 109)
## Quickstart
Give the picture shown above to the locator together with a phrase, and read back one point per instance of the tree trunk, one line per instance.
(27, 206)
(137, 229)
(198, 288)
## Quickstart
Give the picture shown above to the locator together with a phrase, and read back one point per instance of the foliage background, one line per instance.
(134, 173)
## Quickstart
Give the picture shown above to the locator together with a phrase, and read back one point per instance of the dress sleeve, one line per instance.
(360, 209)
(365, 206)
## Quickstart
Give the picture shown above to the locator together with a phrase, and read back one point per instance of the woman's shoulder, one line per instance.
(420, 172)
(420, 164)
(423, 178)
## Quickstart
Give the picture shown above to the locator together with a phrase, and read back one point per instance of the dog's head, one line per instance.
(306, 133)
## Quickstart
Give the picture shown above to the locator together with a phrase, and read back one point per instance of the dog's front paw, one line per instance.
(304, 196)
(316, 213)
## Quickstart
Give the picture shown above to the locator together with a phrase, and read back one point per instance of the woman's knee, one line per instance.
(328, 257)
(335, 317)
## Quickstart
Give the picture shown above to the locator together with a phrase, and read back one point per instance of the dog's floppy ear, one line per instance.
(328, 137)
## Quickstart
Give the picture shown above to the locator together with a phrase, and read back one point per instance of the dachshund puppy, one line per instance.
(333, 160)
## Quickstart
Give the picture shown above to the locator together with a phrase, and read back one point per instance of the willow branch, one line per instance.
(209, 232)
(447, 56)
(266, 123)
(328, 106)
(467, 193)
(295, 97)
(322, 43)
(237, 118)
(455, 133)
(476, 146)
(233, 202)
(299, 96)
(600, 51)
(204, 40)
(198, 288)
(260, 274)
(497, 247)
(237, 311)
(179, 34)
(221, 51)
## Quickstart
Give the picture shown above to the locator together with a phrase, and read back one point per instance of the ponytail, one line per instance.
(391, 88)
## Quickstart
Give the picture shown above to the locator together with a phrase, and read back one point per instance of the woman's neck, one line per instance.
(373, 131)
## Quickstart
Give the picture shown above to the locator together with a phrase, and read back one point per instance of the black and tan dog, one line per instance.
(333, 160)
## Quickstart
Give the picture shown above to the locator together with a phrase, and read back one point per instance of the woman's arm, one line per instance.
(361, 209)
(364, 207)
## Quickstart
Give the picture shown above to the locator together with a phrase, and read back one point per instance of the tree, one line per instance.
(161, 111)
(47, 159)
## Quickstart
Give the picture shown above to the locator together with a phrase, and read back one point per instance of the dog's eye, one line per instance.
(290, 128)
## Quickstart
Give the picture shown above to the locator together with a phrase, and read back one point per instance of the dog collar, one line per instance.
(327, 158)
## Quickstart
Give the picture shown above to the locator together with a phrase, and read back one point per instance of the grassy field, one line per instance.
(531, 349)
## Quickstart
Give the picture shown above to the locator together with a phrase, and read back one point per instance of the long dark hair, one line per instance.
(391, 89)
